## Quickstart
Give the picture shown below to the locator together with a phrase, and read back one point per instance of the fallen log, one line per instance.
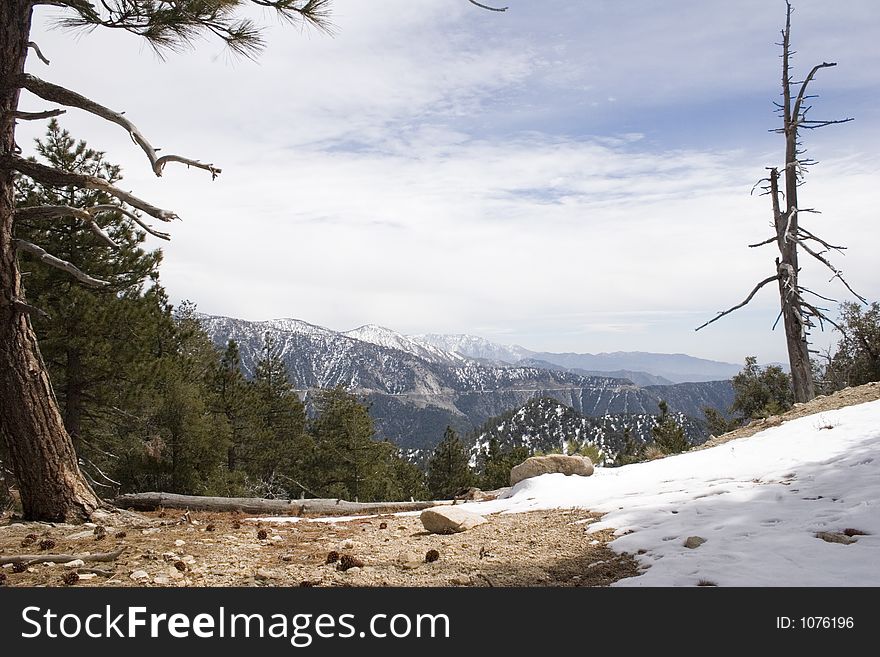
(60, 558)
(255, 505)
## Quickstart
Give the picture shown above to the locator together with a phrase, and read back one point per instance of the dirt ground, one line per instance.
(547, 548)
(166, 548)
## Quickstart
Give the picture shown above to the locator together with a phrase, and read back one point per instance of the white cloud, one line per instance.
(433, 168)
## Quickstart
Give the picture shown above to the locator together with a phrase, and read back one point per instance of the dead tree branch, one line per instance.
(98, 209)
(482, 6)
(38, 52)
(58, 178)
(57, 94)
(47, 258)
(49, 212)
(36, 116)
(769, 279)
(28, 309)
(60, 558)
(837, 273)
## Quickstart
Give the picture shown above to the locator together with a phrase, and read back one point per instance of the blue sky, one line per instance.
(569, 176)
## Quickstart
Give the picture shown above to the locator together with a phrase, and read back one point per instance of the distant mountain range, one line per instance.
(416, 386)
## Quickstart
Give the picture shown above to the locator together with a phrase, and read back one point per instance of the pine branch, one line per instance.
(770, 279)
(47, 258)
(58, 94)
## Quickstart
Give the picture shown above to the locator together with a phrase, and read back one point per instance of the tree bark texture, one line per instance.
(39, 448)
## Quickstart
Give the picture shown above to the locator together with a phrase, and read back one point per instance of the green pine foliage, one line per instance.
(495, 464)
(855, 359)
(761, 392)
(633, 450)
(669, 434)
(448, 471)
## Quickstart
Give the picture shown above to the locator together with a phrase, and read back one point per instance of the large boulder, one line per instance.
(535, 466)
(449, 519)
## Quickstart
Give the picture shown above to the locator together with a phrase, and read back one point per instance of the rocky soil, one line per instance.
(547, 548)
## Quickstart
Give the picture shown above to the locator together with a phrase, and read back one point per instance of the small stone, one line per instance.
(188, 559)
(161, 580)
(449, 519)
(836, 537)
(409, 560)
(276, 538)
(179, 542)
(78, 536)
(151, 530)
(353, 570)
(139, 575)
(460, 580)
(347, 544)
(263, 574)
(76, 563)
(693, 542)
(87, 576)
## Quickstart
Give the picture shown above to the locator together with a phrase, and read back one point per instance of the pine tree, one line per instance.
(761, 392)
(276, 452)
(669, 434)
(495, 464)
(448, 469)
(91, 339)
(349, 463)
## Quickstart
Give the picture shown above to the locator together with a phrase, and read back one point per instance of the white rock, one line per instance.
(81, 535)
(87, 576)
(179, 542)
(409, 560)
(449, 519)
(139, 575)
(347, 544)
(535, 466)
(161, 579)
(76, 563)
(277, 537)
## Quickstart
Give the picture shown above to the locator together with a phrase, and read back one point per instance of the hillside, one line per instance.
(416, 389)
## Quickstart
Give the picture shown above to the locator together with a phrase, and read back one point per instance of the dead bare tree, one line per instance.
(798, 315)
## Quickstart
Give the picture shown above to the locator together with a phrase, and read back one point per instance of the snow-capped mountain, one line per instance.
(416, 389)
(673, 368)
(472, 346)
(383, 337)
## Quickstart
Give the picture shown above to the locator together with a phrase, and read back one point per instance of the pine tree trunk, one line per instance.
(40, 450)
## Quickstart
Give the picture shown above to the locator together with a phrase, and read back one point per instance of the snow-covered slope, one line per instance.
(384, 337)
(761, 503)
(473, 346)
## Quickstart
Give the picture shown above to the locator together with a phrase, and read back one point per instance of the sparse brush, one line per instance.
(706, 582)
(849, 531)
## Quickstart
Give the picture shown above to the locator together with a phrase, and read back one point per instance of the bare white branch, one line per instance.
(58, 178)
(48, 212)
(98, 209)
(54, 93)
(45, 257)
(837, 273)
